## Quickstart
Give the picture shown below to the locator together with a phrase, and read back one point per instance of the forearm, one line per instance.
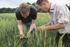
(55, 26)
(32, 27)
(20, 27)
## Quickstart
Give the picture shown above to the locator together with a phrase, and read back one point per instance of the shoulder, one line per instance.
(33, 9)
(18, 14)
(17, 10)
(62, 7)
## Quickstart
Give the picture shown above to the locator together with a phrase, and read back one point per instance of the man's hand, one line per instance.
(28, 34)
(22, 35)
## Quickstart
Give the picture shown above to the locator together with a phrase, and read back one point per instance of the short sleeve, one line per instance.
(63, 14)
(34, 13)
(18, 15)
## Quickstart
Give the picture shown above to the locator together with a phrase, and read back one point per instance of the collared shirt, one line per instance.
(60, 14)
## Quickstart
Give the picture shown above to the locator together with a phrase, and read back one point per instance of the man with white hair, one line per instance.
(59, 20)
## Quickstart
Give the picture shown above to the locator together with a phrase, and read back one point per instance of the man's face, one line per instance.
(44, 6)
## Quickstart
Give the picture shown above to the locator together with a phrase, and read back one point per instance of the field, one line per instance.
(9, 35)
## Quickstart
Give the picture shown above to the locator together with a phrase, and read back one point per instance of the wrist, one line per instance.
(47, 27)
(21, 33)
(29, 31)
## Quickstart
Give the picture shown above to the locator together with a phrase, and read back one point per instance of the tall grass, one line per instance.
(9, 33)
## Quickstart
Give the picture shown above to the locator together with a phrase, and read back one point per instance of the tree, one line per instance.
(7, 10)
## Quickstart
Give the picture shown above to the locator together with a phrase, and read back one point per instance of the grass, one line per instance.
(9, 33)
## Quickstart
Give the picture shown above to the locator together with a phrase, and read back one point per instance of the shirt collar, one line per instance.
(52, 8)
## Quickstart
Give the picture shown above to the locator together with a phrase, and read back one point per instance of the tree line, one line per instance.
(12, 10)
(7, 10)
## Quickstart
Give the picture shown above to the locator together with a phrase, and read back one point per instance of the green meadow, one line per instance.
(9, 35)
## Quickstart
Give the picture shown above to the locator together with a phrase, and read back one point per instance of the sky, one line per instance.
(61, 1)
(15, 3)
